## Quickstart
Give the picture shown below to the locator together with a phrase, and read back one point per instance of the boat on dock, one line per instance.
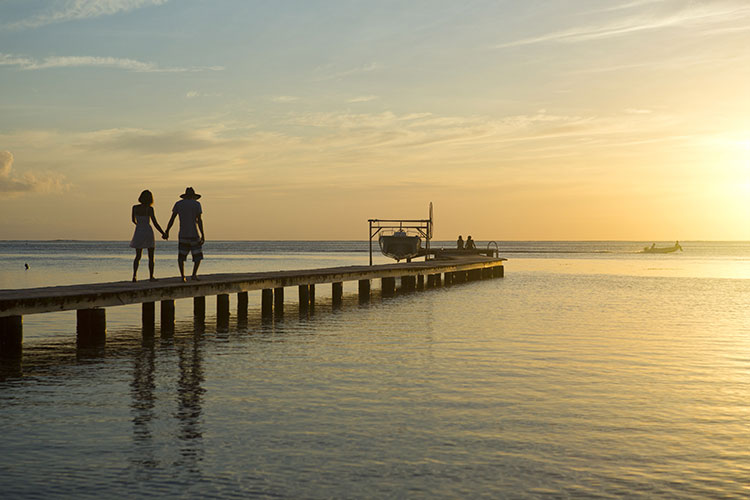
(402, 238)
(400, 245)
(654, 249)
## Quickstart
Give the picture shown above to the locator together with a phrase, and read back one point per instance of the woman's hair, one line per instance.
(146, 198)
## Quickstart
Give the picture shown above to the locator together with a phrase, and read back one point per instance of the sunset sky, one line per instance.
(533, 119)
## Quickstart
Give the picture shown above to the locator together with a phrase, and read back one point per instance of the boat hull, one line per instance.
(662, 250)
(400, 247)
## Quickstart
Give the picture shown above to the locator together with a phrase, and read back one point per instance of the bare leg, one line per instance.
(181, 265)
(138, 252)
(151, 264)
(196, 263)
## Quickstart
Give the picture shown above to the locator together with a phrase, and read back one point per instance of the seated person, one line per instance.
(460, 243)
(470, 243)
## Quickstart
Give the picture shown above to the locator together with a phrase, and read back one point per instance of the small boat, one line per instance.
(400, 245)
(654, 249)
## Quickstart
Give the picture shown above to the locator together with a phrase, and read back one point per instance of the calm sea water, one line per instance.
(589, 371)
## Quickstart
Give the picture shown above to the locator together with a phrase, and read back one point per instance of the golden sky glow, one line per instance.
(626, 119)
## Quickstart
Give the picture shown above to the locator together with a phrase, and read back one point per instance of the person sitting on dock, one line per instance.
(460, 242)
(189, 210)
(470, 243)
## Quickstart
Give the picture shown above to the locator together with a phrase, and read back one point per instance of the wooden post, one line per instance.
(222, 311)
(148, 318)
(278, 302)
(501, 271)
(91, 327)
(242, 301)
(420, 282)
(304, 299)
(312, 299)
(437, 281)
(167, 317)
(408, 283)
(388, 287)
(266, 304)
(199, 307)
(364, 291)
(337, 293)
(11, 336)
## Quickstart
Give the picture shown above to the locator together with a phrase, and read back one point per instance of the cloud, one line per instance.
(285, 98)
(694, 17)
(363, 98)
(150, 142)
(11, 184)
(72, 10)
(636, 111)
(327, 73)
(29, 64)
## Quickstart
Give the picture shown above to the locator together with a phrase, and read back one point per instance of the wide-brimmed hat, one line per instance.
(190, 193)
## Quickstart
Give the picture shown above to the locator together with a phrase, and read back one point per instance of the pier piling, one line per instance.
(148, 318)
(304, 299)
(11, 336)
(242, 303)
(91, 327)
(278, 302)
(222, 311)
(266, 304)
(388, 287)
(167, 318)
(337, 293)
(364, 291)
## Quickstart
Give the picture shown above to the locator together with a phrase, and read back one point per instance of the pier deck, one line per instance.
(90, 299)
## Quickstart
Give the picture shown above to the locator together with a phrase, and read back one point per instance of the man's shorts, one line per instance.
(192, 246)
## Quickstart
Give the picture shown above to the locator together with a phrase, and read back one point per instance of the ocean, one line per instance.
(590, 371)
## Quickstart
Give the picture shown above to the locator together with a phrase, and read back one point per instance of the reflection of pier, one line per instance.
(89, 300)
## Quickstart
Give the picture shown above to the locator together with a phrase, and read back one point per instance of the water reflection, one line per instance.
(190, 401)
(142, 406)
(189, 398)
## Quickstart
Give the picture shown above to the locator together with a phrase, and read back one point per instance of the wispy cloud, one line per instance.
(707, 15)
(72, 10)
(329, 73)
(13, 184)
(285, 98)
(362, 98)
(30, 64)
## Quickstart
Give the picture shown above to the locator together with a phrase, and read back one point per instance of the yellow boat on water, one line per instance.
(654, 249)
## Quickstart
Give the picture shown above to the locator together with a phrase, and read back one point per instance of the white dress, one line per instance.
(143, 237)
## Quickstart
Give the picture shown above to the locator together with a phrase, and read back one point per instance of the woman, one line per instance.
(144, 235)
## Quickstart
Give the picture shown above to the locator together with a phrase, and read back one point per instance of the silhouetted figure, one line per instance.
(26, 265)
(189, 210)
(143, 237)
(460, 242)
(653, 245)
(470, 243)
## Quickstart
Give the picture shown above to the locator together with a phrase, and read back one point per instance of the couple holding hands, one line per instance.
(189, 211)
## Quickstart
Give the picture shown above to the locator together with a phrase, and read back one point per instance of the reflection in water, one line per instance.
(190, 399)
(142, 407)
(145, 410)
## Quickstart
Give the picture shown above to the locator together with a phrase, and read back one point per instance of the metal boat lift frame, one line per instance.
(422, 226)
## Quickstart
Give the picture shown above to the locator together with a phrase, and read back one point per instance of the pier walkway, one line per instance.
(89, 300)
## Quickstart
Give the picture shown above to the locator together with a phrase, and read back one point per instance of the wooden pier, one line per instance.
(90, 300)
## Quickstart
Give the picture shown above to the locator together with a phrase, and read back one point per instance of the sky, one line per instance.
(301, 119)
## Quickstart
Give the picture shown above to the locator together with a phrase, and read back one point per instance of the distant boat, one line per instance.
(400, 245)
(654, 249)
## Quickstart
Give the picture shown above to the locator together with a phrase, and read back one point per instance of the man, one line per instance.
(189, 210)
